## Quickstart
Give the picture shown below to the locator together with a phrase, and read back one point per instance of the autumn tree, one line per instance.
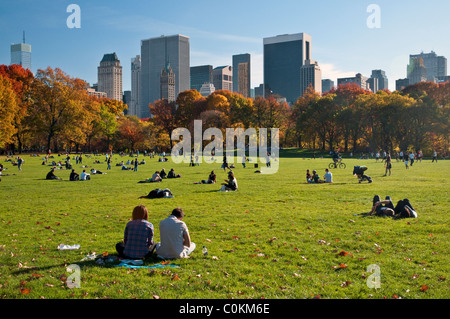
(8, 109)
(58, 105)
(20, 80)
(164, 116)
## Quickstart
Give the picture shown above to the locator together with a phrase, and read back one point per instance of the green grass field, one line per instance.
(276, 238)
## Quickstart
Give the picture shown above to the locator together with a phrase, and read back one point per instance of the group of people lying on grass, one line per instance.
(315, 179)
(138, 241)
(158, 176)
(386, 208)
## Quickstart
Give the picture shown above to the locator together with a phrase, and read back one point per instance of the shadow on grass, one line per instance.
(148, 262)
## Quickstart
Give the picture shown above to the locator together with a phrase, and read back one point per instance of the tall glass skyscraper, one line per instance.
(284, 55)
(156, 53)
(200, 75)
(21, 55)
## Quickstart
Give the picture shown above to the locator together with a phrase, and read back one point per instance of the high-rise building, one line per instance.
(327, 85)
(383, 82)
(417, 71)
(21, 54)
(168, 84)
(200, 75)
(135, 85)
(259, 90)
(359, 79)
(400, 84)
(284, 55)
(223, 78)
(156, 53)
(310, 75)
(110, 77)
(127, 100)
(373, 84)
(436, 66)
(207, 89)
(242, 74)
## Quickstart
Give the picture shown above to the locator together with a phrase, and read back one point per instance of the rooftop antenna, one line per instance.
(23, 36)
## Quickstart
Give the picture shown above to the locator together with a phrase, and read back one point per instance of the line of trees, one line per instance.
(52, 110)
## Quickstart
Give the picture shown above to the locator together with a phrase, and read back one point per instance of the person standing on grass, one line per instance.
(138, 236)
(175, 241)
(136, 163)
(108, 162)
(411, 158)
(434, 156)
(19, 163)
(388, 164)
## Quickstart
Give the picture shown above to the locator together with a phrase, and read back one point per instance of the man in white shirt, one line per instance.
(328, 177)
(174, 236)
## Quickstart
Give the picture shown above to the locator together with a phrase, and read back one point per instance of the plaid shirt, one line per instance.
(138, 238)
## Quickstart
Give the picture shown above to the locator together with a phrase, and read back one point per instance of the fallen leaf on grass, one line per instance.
(424, 288)
(25, 291)
(346, 283)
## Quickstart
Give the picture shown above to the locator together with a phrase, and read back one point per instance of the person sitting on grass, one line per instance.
(156, 177)
(74, 176)
(230, 184)
(172, 174)
(308, 176)
(138, 236)
(211, 179)
(85, 176)
(175, 241)
(315, 179)
(163, 173)
(328, 177)
(51, 174)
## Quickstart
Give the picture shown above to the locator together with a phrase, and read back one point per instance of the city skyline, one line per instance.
(344, 44)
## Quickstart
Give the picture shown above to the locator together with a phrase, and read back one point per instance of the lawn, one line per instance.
(277, 237)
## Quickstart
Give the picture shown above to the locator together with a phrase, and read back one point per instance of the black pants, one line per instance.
(400, 210)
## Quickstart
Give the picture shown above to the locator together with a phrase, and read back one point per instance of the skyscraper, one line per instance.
(21, 54)
(417, 71)
(223, 78)
(241, 74)
(436, 66)
(310, 75)
(156, 53)
(359, 79)
(135, 85)
(110, 76)
(284, 55)
(200, 75)
(167, 84)
(383, 83)
(327, 85)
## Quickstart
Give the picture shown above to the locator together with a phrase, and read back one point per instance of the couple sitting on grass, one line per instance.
(138, 237)
(315, 179)
(403, 209)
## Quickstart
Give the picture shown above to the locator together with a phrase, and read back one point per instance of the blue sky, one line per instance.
(342, 43)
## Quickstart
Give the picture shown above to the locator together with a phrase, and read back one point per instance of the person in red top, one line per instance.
(138, 236)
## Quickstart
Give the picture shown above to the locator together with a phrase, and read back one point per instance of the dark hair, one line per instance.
(140, 212)
(178, 212)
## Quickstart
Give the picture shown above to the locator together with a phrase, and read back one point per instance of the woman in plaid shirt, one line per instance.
(138, 237)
